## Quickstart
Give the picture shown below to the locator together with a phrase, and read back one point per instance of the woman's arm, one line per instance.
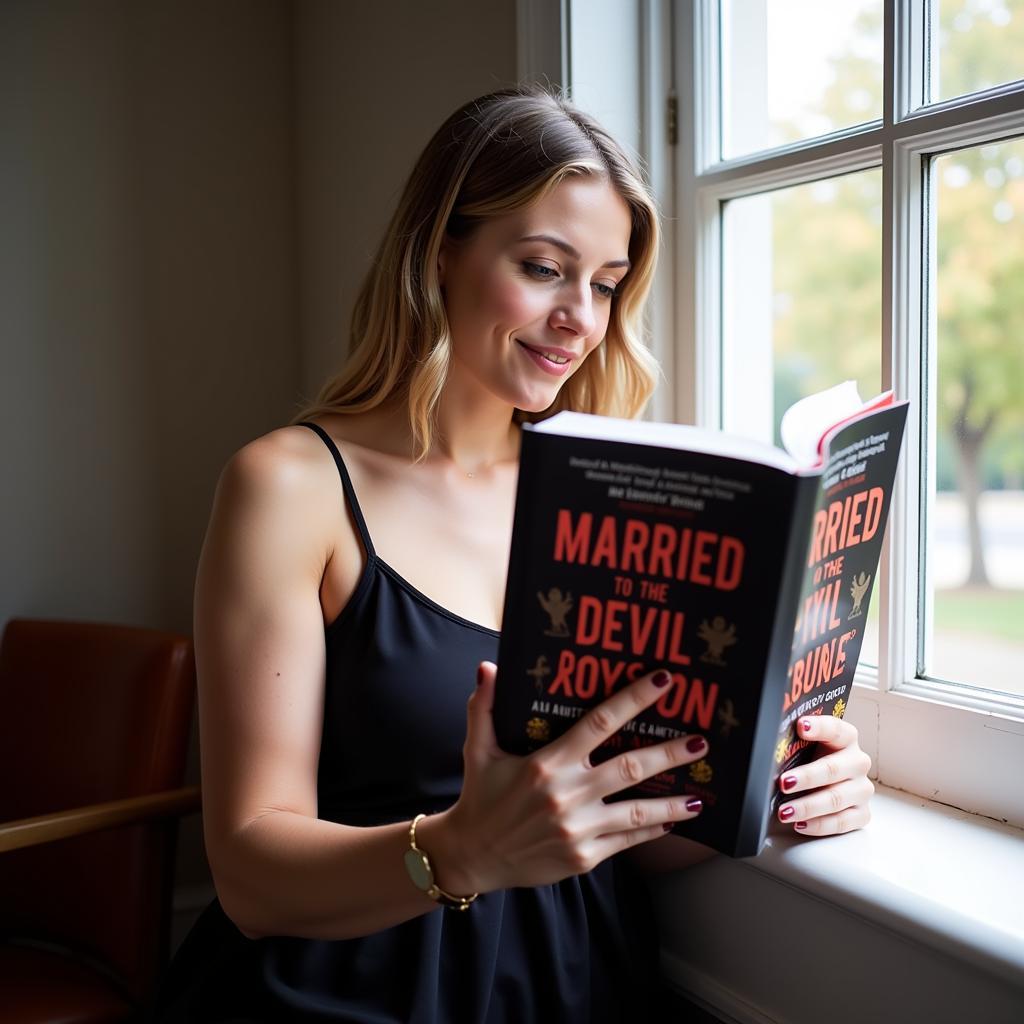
(259, 636)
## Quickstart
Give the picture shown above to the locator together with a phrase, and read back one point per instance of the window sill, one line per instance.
(924, 905)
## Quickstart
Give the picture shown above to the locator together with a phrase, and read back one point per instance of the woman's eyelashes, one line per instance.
(539, 271)
(542, 273)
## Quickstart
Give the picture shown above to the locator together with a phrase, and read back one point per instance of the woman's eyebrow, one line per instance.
(571, 250)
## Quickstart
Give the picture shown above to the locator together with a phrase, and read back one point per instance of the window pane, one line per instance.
(976, 520)
(796, 69)
(979, 44)
(802, 297)
(802, 304)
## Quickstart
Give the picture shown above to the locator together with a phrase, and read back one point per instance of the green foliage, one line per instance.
(828, 302)
(979, 45)
(980, 246)
(980, 295)
(827, 246)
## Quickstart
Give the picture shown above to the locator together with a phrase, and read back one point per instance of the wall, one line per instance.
(373, 82)
(147, 281)
(190, 194)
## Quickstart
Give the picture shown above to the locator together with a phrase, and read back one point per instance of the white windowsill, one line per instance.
(918, 917)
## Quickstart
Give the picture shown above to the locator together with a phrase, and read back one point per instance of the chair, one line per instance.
(94, 728)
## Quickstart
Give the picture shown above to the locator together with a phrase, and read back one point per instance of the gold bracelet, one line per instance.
(417, 863)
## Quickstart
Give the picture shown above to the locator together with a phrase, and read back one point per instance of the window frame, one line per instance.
(939, 740)
(965, 753)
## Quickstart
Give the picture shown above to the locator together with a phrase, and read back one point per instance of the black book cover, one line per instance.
(628, 557)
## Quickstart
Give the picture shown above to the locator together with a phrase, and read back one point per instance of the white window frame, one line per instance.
(944, 938)
(945, 742)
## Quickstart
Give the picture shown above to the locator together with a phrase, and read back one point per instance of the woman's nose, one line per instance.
(575, 313)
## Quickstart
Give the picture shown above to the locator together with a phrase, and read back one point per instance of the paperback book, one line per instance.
(745, 570)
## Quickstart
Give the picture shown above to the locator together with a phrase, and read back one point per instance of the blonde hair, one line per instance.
(495, 154)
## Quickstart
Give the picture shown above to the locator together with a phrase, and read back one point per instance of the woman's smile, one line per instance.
(553, 361)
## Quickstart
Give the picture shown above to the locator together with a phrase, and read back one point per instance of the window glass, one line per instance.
(802, 304)
(797, 69)
(976, 515)
(976, 44)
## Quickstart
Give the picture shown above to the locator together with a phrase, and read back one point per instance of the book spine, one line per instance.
(757, 795)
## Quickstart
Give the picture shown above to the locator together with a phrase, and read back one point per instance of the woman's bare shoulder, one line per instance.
(291, 468)
(289, 473)
(293, 455)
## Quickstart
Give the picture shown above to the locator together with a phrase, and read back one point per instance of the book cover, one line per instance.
(850, 512)
(629, 555)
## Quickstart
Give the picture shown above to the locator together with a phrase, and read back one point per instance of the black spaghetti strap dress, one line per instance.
(399, 671)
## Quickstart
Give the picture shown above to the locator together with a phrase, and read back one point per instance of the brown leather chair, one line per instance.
(94, 728)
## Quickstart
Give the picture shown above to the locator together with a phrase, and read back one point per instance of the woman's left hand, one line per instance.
(830, 794)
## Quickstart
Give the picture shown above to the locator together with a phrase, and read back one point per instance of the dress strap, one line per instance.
(346, 484)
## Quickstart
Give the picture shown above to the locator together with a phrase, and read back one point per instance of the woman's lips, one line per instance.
(556, 369)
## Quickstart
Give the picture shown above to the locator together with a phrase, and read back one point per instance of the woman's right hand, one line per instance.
(525, 821)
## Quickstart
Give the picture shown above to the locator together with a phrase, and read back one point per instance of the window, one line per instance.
(857, 176)
(797, 70)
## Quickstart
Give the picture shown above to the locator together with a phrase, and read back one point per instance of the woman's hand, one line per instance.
(525, 821)
(834, 790)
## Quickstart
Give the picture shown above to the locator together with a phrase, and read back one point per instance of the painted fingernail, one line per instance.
(479, 675)
(786, 813)
(805, 726)
(694, 804)
(661, 678)
(789, 782)
(695, 743)
(668, 826)
(799, 824)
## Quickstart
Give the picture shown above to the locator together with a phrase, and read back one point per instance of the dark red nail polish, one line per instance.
(789, 782)
(661, 678)
(479, 675)
(800, 824)
(694, 804)
(668, 826)
(695, 743)
(786, 813)
(805, 726)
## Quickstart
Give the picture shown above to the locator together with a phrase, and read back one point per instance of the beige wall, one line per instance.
(190, 193)
(147, 289)
(373, 82)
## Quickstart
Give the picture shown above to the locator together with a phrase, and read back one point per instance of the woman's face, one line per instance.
(528, 294)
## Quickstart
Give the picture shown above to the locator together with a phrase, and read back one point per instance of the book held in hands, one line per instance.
(744, 570)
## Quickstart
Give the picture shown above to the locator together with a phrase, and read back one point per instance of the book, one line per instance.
(743, 569)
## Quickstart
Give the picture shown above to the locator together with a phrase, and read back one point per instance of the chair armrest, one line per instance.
(46, 828)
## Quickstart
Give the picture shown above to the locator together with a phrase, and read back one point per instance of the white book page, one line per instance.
(803, 426)
(667, 435)
(805, 422)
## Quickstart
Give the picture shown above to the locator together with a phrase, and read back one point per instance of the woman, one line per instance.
(376, 856)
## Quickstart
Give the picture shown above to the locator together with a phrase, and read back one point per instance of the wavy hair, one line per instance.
(495, 154)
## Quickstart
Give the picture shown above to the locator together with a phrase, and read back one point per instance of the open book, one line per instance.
(745, 570)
